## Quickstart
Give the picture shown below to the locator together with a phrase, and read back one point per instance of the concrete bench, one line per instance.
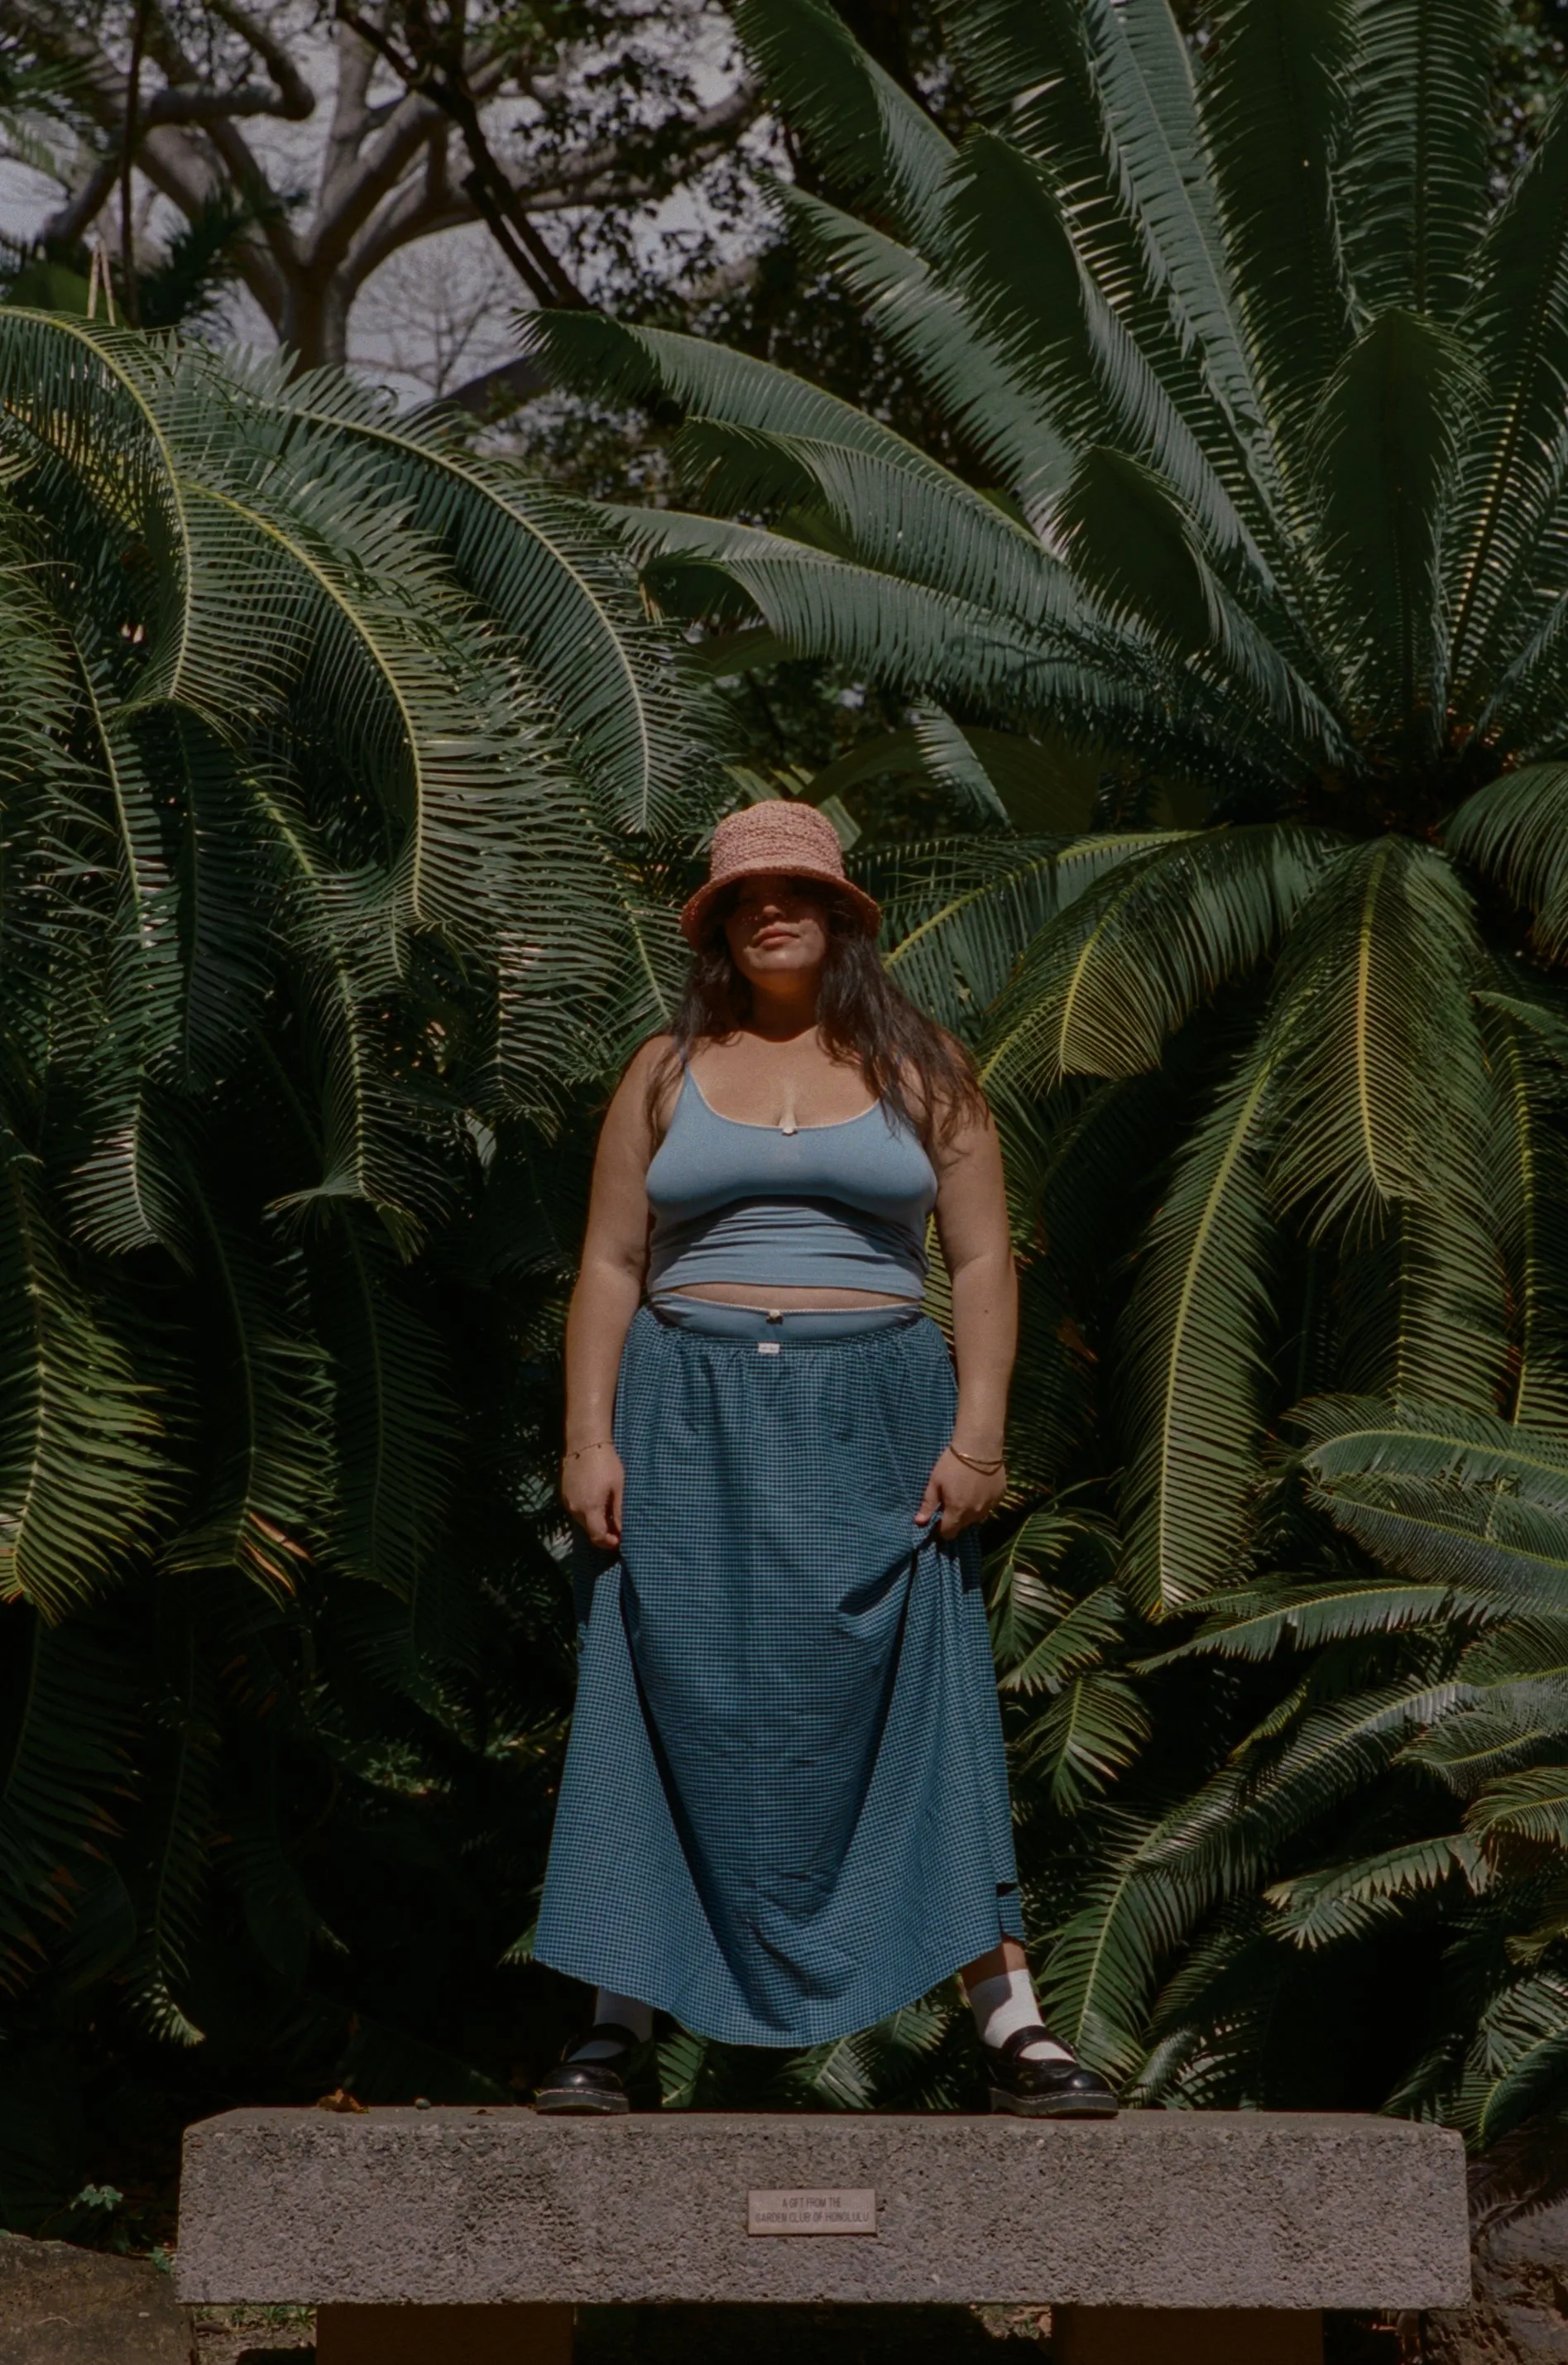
(468, 2237)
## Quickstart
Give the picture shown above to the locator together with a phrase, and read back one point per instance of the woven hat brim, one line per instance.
(694, 913)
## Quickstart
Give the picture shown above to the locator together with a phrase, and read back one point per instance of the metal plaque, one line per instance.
(835, 2210)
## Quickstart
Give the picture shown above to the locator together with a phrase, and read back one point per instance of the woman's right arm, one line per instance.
(608, 1290)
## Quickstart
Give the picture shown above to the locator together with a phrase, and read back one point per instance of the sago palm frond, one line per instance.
(1378, 1061)
(1195, 1332)
(83, 1481)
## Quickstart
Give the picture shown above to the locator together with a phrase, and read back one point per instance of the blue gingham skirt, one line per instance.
(784, 1811)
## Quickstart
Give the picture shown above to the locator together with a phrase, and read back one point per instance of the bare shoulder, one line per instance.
(955, 1111)
(646, 1060)
(646, 1091)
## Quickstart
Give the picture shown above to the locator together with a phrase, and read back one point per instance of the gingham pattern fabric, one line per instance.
(784, 1811)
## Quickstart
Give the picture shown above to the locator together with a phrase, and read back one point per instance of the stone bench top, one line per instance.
(1170, 2208)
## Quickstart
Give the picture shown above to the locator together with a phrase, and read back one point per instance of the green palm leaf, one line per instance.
(179, 1830)
(262, 1505)
(374, 1143)
(1433, 1533)
(1414, 184)
(1515, 831)
(992, 775)
(1519, 2059)
(1274, 112)
(1256, 1621)
(1145, 77)
(1105, 1957)
(1093, 1729)
(867, 131)
(424, 719)
(395, 1418)
(83, 1479)
(956, 911)
(1531, 1805)
(1319, 1909)
(1027, 1609)
(582, 350)
(1016, 262)
(1517, 319)
(1529, 1191)
(928, 642)
(942, 339)
(1132, 547)
(1388, 437)
(1380, 1066)
(1102, 990)
(1473, 1744)
(1195, 1330)
(1349, 1436)
(931, 527)
(542, 565)
(1293, 1772)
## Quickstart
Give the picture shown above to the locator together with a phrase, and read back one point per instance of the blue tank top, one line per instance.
(837, 1206)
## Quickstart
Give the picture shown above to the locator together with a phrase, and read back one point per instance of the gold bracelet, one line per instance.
(579, 1450)
(986, 1469)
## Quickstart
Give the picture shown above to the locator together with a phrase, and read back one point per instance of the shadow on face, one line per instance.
(778, 928)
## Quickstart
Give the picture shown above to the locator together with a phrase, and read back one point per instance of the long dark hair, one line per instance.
(907, 1061)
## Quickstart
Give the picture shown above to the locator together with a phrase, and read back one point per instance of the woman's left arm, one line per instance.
(971, 1224)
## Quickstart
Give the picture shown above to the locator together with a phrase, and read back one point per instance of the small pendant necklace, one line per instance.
(787, 1122)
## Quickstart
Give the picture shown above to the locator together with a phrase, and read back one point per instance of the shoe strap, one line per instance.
(1011, 2047)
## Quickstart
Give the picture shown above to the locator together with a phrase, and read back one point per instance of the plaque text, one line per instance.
(835, 2210)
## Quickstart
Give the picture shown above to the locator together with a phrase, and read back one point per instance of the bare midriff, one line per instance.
(765, 1300)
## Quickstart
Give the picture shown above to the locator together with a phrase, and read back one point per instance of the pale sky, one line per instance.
(436, 313)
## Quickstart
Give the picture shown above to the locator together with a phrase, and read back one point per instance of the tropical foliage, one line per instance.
(1225, 598)
(339, 768)
(1210, 584)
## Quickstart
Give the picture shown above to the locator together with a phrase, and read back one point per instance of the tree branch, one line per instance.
(597, 174)
(75, 218)
(127, 165)
(445, 83)
(418, 211)
(391, 171)
(352, 113)
(105, 86)
(297, 98)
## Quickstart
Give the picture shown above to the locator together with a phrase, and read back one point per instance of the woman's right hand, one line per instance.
(592, 1485)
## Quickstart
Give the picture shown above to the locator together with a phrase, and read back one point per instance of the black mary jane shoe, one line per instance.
(603, 2088)
(1053, 2088)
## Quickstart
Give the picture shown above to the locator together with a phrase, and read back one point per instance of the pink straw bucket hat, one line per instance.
(781, 836)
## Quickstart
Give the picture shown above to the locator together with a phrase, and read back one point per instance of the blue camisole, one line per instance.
(836, 1206)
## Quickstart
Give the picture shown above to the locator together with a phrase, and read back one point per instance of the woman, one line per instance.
(784, 1811)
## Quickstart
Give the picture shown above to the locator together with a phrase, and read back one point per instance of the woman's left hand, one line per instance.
(963, 1496)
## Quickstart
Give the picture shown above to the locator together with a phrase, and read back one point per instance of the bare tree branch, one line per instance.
(81, 210)
(298, 99)
(390, 169)
(128, 137)
(50, 32)
(589, 177)
(442, 74)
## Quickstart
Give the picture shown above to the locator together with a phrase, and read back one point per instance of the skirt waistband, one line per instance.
(798, 1325)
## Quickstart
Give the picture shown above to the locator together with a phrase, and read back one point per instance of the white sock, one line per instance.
(627, 2012)
(1006, 2003)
